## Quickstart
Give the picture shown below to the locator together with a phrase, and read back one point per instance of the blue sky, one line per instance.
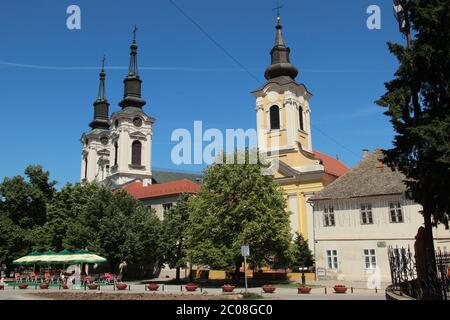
(49, 74)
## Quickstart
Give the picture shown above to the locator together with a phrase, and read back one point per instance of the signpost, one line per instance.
(245, 250)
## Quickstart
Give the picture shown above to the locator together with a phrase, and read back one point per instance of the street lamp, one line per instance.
(302, 269)
(245, 250)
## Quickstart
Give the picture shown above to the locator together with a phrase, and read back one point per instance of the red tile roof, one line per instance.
(332, 165)
(139, 191)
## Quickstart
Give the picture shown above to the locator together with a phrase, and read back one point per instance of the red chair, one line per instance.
(48, 277)
(33, 277)
(18, 277)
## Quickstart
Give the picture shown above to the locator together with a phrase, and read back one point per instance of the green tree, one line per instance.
(301, 255)
(24, 201)
(237, 204)
(175, 226)
(34, 216)
(23, 211)
(417, 102)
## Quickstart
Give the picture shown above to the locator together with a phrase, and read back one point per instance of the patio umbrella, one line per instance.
(84, 258)
(62, 257)
(30, 258)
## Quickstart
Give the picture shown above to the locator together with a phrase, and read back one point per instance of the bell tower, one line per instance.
(131, 131)
(282, 104)
(96, 149)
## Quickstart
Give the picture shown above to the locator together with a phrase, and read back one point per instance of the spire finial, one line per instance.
(133, 69)
(134, 33)
(280, 54)
(132, 82)
(101, 87)
(101, 105)
(278, 7)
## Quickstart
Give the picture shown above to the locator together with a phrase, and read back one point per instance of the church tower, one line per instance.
(96, 148)
(284, 136)
(282, 105)
(131, 131)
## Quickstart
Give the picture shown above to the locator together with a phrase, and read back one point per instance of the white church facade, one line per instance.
(118, 149)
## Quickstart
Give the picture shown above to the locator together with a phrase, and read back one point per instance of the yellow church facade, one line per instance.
(284, 136)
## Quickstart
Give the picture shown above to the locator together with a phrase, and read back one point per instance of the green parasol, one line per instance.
(62, 257)
(30, 258)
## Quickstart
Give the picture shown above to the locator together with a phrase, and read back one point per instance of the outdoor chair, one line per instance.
(18, 277)
(110, 278)
(48, 278)
(32, 277)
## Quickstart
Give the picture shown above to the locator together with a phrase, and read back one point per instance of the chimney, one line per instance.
(365, 153)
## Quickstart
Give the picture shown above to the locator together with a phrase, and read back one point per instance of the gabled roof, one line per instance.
(370, 177)
(140, 192)
(332, 165)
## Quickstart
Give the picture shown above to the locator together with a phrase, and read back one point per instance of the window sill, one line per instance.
(137, 167)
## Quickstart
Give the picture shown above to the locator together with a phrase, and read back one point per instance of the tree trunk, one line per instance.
(237, 272)
(177, 276)
(430, 253)
(191, 276)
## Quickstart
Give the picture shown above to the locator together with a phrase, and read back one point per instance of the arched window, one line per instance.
(85, 167)
(274, 118)
(300, 118)
(116, 151)
(136, 153)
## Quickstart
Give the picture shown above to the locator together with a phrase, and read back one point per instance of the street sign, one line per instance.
(245, 250)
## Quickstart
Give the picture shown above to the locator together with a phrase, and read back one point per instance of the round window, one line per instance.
(137, 122)
(104, 140)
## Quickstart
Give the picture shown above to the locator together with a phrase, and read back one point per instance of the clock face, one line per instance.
(273, 96)
(137, 122)
(104, 140)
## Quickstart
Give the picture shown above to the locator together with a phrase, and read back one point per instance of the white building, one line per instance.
(118, 150)
(358, 216)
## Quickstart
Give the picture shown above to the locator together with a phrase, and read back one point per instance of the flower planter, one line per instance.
(304, 290)
(121, 286)
(65, 286)
(268, 288)
(23, 286)
(340, 288)
(43, 285)
(228, 288)
(191, 287)
(93, 287)
(153, 287)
